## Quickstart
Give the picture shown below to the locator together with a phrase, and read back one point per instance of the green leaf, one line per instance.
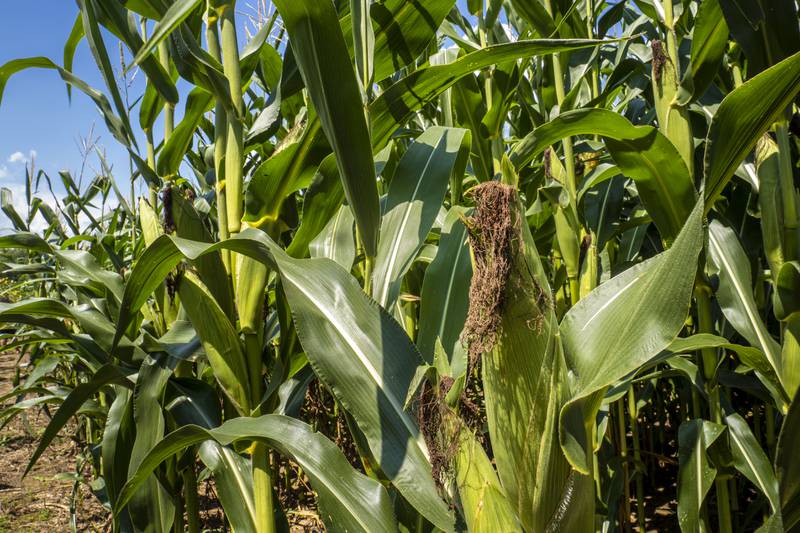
(445, 294)
(233, 476)
(735, 292)
(402, 31)
(742, 117)
(220, 341)
(288, 170)
(641, 152)
(787, 291)
(696, 473)
(367, 360)
(415, 195)
(321, 54)
(151, 507)
(320, 202)
(348, 499)
(329, 307)
(400, 101)
(750, 459)
(75, 37)
(363, 41)
(169, 158)
(175, 15)
(336, 241)
(621, 325)
(709, 40)
(787, 467)
(76, 398)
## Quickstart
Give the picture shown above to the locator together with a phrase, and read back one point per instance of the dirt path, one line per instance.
(41, 501)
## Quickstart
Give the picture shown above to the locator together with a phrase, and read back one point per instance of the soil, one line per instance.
(41, 501)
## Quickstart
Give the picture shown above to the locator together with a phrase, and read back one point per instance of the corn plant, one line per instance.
(533, 251)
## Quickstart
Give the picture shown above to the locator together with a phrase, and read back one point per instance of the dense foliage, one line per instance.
(520, 256)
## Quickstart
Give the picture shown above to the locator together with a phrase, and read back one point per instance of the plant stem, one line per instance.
(169, 109)
(637, 457)
(235, 142)
(623, 452)
(709, 359)
(791, 227)
(569, 157)
(220, 140)
(190, 496)
(262, 489)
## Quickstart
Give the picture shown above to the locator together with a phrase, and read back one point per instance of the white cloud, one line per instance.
(17, 157)
(4, 173)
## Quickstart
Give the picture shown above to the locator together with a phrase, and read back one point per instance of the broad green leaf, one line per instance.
(415, 195)
(320, 202)
(750, 459)
(220, 341)
(642, 153)
(696, 473)
(368, 362)
(787, 291)
(735, 292)
(348, 499)
(75, 37)
(402, 31)
(151, 507)
(621, 325)
(233, 476)
(742, 117)
(175, 15)
(118, 436)
(770, 202)
(535, 14)
(330, 310)
(76, 398)
(322, 56)
(171, 155)
(787, 467)
(400, 101)
(336, 241)
(288, 170)
(363, 41)
(445, 294)
(709, 40)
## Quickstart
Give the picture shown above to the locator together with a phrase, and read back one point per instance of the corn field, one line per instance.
(424, 265)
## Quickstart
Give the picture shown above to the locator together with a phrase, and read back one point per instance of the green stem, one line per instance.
(595, 71)
(220, 140)
(192, 502)
(569, 156)
(623, 452)
(262, 489)
(151, 162)
(637, 457)
(235, 143)
(169, 109)
(710, 361)
(791, 227)
(672, 41)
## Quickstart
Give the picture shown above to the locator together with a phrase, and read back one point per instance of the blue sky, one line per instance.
(35, 114)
